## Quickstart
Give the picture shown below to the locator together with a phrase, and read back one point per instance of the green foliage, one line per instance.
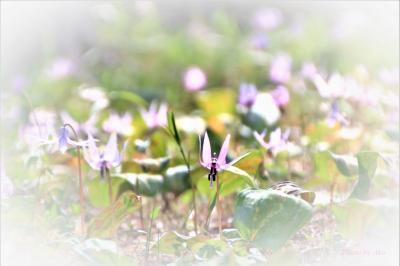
(143, 184)
(269, 218)
(367, 163)
(346, 164)
(107, 222)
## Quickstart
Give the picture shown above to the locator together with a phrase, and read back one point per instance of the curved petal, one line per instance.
(111, 153)
(206, 154)
(91, 153)
(224, 151)
(260, 139)
(162, 115)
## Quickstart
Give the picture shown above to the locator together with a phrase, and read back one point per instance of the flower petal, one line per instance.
(260, 138)
(206, 154)
(91, 153)
(111, 153)
(224, 151)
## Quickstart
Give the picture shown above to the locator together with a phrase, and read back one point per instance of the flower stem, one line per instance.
(110, 192)
(193, 193)
(219, 209)
(141, 204)
(81, 194)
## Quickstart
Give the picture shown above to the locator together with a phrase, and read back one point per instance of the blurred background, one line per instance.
(194, 56)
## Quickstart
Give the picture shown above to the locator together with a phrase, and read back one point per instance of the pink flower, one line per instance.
(267, 19)
(210, 161)
(280, 70)
(277, 141)
(334, 87)
(89, 126)
(194, 79)
(153, 117)
(61, 68)
(308, 70)
(119, 124)
(102, 160)
(281, 96)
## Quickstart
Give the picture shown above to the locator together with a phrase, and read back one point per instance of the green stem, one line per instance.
(81, 193)
(219, 209)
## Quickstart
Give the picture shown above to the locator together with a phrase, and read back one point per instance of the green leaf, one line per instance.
(357, 218)
(176, 179)
(239, 172)
(150, 165)
(98, 189)
(108, 221)
(209, 248)
(127, 96)
(346, 164)
(102, 252)
(231, 233)
(172, 243)
(172, 127)
(143, 184)
(269, 218)
(367, 164)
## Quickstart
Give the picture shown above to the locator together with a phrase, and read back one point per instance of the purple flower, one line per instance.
(280, 70)
(336, 117)
(210, 161)
(102, 160)
(277, 141)
(259, 41)
(281, 96)
(153, 117)
(247, 94)
(63, 140)
(194, 79)
(119, 124)
(89, 126)
(267, 19)
(61, 68)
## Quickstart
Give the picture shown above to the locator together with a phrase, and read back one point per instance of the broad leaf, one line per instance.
(143, 184)
(367, 164)
(176, 179)
(269, 218)
(346, 164)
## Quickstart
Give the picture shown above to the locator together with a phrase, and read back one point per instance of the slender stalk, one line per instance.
(141, 204)
(81, 194)
(219, 209)
(110, 192)
(193, 195)
(149, 233)
(332, 192)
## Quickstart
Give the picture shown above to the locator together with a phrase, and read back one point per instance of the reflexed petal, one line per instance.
(111, 153)
(260, 138)
(275, 137)
(91, 153)
(67, 119)
(162, 115)
(206, 154)
(224, 151)
(63, 140)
